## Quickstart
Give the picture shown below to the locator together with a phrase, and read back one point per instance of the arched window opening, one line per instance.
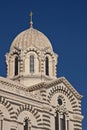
(47, 66)
(60, 122)
(63, 126)
(56, 121)
(26, 124)
(16, 65)
(31, 64)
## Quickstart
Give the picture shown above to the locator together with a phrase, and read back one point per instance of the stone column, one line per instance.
(29, 125)
(66, 123)
(1, 123)
(60, 116)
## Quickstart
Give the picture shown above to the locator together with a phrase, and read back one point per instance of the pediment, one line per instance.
(62, 82)
(64, 85)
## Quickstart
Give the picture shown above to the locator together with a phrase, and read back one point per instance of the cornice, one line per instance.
(52, 83)
(11, 83)
(38, 86)
(17, 89)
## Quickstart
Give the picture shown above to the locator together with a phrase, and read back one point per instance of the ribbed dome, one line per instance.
(31, 37)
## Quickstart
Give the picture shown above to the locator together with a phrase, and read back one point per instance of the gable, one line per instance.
(64, 86)
(61, 94)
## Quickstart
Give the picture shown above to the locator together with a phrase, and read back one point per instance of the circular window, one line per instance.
(59, 101)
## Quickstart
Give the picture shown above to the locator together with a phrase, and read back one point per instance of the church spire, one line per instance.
(31, 22)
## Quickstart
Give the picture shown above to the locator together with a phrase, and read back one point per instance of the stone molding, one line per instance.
(41, 85)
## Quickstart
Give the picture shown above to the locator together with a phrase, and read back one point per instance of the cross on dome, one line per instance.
(31, 22)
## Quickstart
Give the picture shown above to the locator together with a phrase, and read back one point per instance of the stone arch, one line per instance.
(31, 49)
(30, 109)
(51, 53)
(63, 90)
(10, 61)
(52, 62)
(6, 106)
(48, 68)
(27, 62)
(48, 51)
(4, 112)
(15, 52)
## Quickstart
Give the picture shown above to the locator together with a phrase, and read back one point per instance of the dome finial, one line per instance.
(31, 22)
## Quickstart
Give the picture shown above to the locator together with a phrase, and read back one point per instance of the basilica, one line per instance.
(31, 95)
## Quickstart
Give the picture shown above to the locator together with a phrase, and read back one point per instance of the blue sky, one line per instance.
(64, 22)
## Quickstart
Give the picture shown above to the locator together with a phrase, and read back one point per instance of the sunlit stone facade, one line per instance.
(31, 96)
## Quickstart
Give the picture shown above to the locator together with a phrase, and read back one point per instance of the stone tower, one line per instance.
(31, 96)
(31, 58)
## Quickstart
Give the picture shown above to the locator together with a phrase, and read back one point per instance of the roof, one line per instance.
(31, 37)
(38, 86)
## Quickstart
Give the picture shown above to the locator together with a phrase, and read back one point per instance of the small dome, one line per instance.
(31, 37)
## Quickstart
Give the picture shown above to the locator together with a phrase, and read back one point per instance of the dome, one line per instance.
(31, 37)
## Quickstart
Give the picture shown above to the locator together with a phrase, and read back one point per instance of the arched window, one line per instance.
(16, 65)
(60, 122)
(56, 121)
(63, 126)
(47, 66)
(31, 64)
(26, 124)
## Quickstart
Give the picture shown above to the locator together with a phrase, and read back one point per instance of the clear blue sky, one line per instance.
(65, 24)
